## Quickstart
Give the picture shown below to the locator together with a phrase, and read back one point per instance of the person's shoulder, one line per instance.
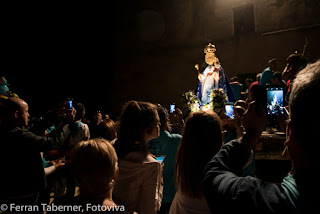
(146, 167)
(266, 70)
(13, 131)
(138, 160)
(174, 136)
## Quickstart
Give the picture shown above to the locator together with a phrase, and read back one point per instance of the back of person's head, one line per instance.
(277, 75)
(94, 165)
(107, 129)
(272, 61)
(137, 119)
(163, 115)
(293, 59)
(258, 77)
(303, 98)
(234, 79)
(81, 111)
(202, 139)
(249, 80)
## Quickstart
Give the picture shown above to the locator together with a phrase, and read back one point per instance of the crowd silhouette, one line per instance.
(209, 157)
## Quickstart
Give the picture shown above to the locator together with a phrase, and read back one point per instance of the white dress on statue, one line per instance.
(209, 81)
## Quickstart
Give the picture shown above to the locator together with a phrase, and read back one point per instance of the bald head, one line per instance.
(14, 112)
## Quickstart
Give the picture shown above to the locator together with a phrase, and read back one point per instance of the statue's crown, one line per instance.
(210, 48)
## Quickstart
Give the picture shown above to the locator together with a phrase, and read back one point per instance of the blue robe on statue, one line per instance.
(214, 77)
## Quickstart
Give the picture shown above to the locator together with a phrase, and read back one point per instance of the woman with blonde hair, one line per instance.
(95, 168)
(201, 140)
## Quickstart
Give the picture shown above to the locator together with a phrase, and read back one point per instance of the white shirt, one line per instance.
(138, 186)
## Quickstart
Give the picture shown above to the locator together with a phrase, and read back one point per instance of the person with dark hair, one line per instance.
(252, 86)
(166, 144)
(227, 191)
(202, 139)
(95, 123)
(248, 83)
(267, 74)
(107, 130)
(23, 184)
(79, 131)
(294, 64)
(236, 87)
(139, 186)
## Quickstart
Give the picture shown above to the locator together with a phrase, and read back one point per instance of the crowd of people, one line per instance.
(208, 164)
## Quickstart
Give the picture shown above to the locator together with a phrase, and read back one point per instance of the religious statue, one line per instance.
(212, 77)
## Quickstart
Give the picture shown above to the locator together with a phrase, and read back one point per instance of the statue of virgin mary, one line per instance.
(213, 77)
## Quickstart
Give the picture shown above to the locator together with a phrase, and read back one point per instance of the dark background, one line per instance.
(52, 54)
(104, 55)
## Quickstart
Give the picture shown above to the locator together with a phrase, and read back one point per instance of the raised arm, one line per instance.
(226, 191)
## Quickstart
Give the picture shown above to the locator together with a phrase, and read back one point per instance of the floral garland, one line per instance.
(217, 96)
(191, 101)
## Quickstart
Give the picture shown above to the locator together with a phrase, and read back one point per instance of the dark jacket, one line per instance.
(227, 192)
(21, 165)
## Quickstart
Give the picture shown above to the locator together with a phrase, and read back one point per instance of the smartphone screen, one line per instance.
(229, 110)
(160, 159)
(172, 108)
(275, 100)
(70, 104)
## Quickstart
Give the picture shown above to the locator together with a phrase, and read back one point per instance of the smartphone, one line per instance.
(229, 110)
(259, 94)
(160, 158)
(172, 108)
(274, 100)
(70, 105)
(260, 97)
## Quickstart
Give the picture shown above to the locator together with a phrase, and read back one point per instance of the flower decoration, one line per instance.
(217, 96)
(191, 101)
